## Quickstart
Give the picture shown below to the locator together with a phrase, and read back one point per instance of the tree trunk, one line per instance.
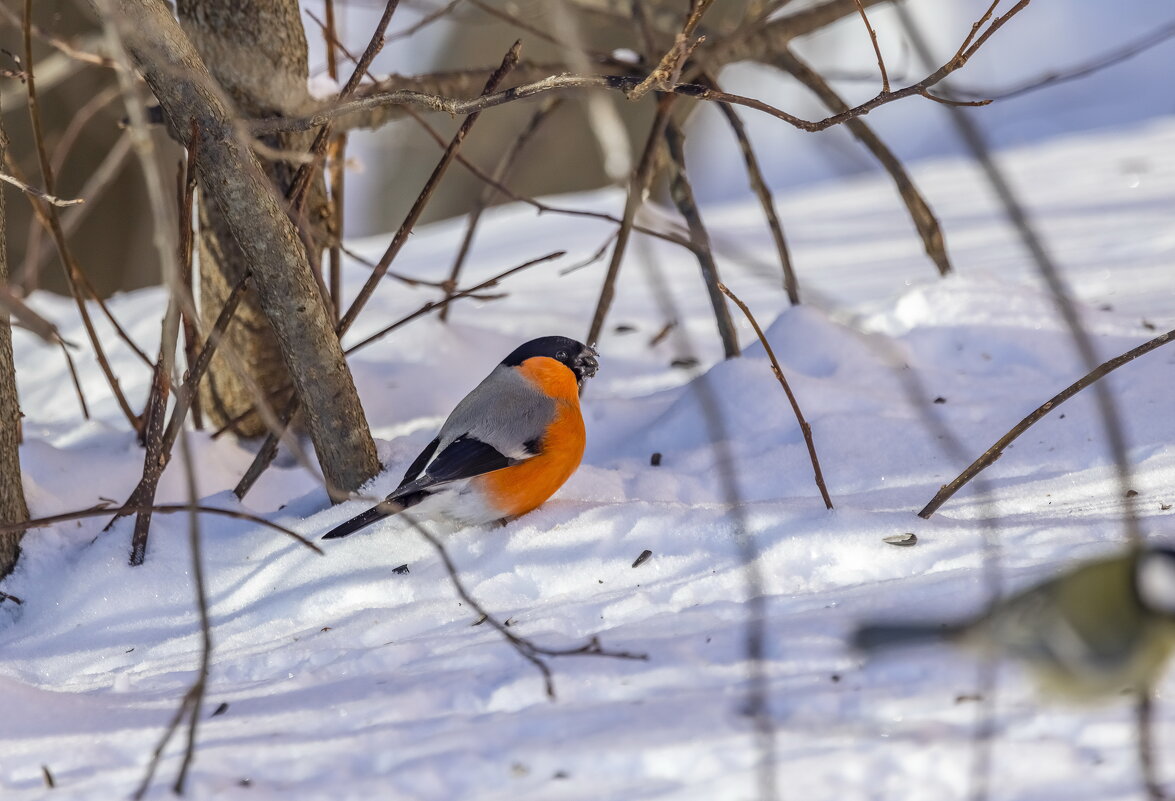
(12, 504)
(231, 177)
(256, 50)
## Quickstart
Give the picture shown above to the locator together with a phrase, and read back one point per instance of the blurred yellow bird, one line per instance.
(1099, 629)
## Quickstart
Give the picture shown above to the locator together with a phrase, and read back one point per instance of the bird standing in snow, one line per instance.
(1101, 628)
(506, 447)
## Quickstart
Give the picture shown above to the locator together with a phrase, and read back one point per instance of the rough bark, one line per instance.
(12, 503)
(257, 53)
(288, 295)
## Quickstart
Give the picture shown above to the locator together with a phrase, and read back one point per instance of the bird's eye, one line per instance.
(561, 356)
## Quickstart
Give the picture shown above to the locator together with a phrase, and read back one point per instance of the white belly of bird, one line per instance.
(456, 503)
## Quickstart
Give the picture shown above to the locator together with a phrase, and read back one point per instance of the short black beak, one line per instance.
(587, 364)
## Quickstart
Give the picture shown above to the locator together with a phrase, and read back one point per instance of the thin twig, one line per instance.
(683, 197)
(200, 685)
(538, 206)
(919, 210)
(425, 195)
(763, 193)
(72, 271)
(995, 451)
(301, 180)
(13, 305)
(642, 177)
(1116, 56)
(424, 22)
(336, 158)
(805, 427)
(186, 193)
(407, 280)
(592, 259)
(103, 509)
(433, 305)
(77, 383)
(52, 200)
(526, 648)
(268, 450)
(157, 754)
(157, 458)
(486, 198)
(876, 47)
(278, 397)
(668, 70)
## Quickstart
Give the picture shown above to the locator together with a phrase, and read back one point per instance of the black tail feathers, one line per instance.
(385, 509)
(355, 523)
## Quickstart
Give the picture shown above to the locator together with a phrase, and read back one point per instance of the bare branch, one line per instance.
(876, 46)
(103, 509)
(48, 213)
(424, 22)
(444, 302)
(65, 48)
(14, 305)
(763, 193)
(425, 195)
(683, 198)
(759, 39)
(996, 451)
(301, 181)
(791, 398)
(920, 212)
(539, 206)
(1116, 56)
(200, 685)
(52, 200)
(526, 648)
(489, 191)
(667, 73)
(642, 177)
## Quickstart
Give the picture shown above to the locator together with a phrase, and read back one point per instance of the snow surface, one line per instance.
(344, 679)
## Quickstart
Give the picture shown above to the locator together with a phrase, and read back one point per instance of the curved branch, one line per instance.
(103, 509)
(996, 451)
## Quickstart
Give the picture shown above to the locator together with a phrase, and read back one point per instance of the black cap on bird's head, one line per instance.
(1154, 580)
(581, 359)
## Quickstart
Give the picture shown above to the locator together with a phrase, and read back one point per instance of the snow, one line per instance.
(345, 679)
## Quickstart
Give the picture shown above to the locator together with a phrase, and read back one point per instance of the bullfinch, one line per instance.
(506, 447)
(1102, 627)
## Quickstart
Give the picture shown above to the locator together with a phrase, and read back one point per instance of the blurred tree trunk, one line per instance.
(256, 50)
(12, 504)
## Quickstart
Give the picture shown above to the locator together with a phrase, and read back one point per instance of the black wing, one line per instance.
(464, 457)
(420, 461)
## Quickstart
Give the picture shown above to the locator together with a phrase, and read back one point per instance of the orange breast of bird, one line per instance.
(518, 489)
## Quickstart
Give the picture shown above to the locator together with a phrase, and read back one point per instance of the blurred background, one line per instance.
(387, 167)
